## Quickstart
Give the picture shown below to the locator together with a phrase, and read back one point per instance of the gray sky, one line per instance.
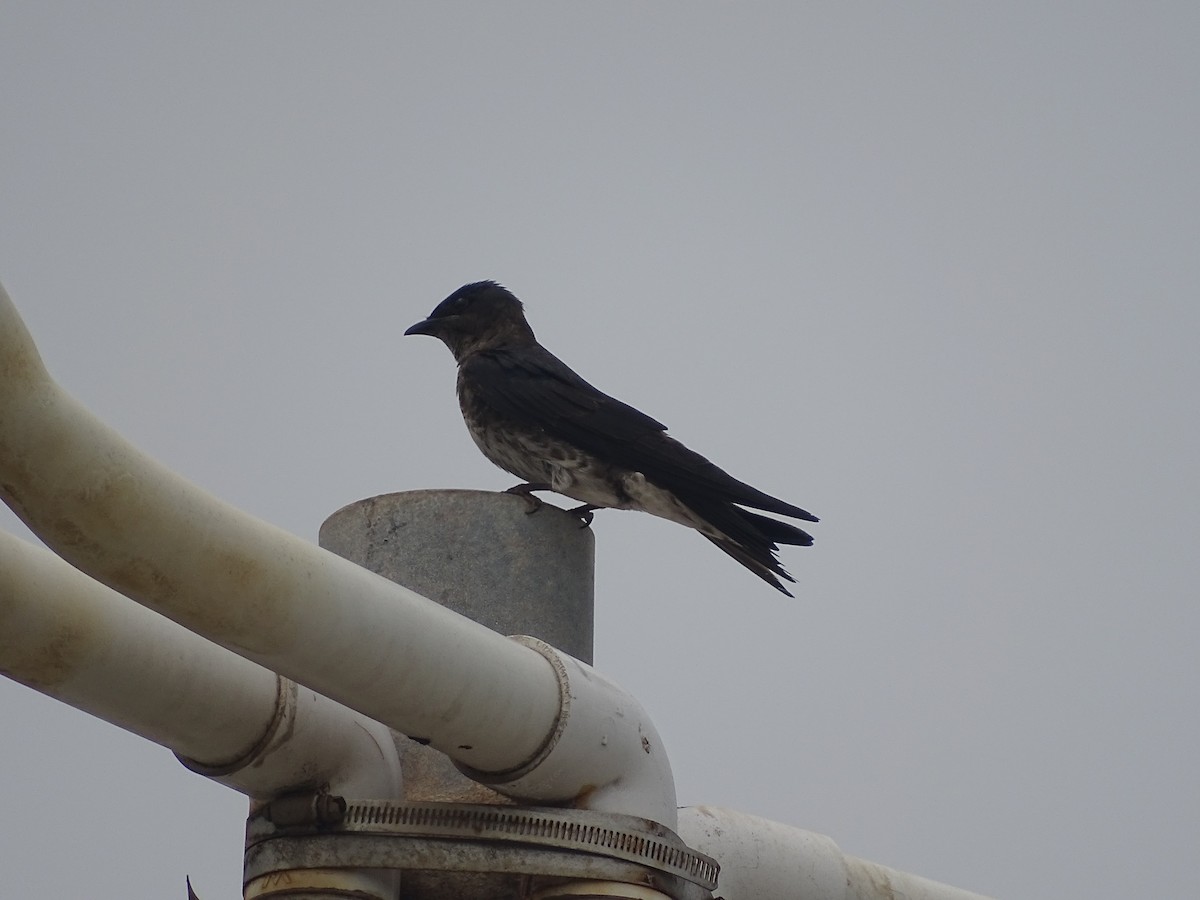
(931, 271)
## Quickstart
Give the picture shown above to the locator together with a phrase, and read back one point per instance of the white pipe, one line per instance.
(764, 860)
(607, 732)
(71, 638)
(489, 703)
(132, 524)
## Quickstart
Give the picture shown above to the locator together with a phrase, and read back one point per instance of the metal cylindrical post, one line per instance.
(529, 573)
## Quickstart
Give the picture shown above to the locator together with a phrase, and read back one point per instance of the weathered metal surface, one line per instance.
(481, 554)
(305, 809)
(519, 849)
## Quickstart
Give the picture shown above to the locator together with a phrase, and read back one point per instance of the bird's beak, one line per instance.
(426, 326)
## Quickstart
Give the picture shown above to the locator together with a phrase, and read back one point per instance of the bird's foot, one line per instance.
(584, 513)
(526, 490)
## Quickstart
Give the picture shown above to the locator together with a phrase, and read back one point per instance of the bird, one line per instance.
(537, 419)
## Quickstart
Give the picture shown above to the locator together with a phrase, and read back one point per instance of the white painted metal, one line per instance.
(764, 860)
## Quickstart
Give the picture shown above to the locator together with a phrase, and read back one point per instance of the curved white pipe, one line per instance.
(489, 703)
(132, 524)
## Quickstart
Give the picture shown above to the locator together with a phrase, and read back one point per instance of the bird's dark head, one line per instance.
(476, 317)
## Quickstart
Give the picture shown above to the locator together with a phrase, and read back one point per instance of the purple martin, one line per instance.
(534, 417)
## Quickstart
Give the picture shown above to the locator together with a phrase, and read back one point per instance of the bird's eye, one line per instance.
(458, 306)
(450, 307)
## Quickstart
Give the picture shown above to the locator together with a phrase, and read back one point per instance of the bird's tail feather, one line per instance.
(749, 538)
(686, 473)
(780, 532)
(750, 496)
(768, 569)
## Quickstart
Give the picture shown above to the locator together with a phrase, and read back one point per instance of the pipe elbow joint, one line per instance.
(603, 752)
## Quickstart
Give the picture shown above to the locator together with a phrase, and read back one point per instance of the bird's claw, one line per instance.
(526, 491)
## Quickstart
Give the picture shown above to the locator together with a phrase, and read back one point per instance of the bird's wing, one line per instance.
(536, 388)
